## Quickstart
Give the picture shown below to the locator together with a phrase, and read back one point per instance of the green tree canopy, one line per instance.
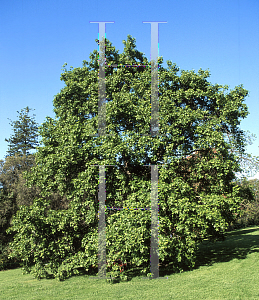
(248, 162)
(193, 116)
(18, 159)
(13, 192)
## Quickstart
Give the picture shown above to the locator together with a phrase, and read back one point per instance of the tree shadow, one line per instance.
(237, 245)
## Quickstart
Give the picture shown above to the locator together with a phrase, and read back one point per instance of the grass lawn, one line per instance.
(226, 270)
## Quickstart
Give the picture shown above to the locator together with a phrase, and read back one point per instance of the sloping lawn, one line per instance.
(226, 270)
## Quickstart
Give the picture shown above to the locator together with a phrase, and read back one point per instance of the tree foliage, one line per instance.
(25, 135)
(249, 163)
(14, 193)
(197, 198)
(248, 188)
(249, 191)
(11, 177)
(18, 160)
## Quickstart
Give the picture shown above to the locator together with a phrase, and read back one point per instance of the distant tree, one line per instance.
(18, 159)
(8, 208)
(254, 183)
(25, 135)
(250, 189)
(13, 182)
(14, 192)
(11, 178)
(249, 164)
(250, 203)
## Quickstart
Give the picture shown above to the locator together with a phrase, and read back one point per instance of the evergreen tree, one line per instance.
(25, 135)
(18, 159)
(13, 191)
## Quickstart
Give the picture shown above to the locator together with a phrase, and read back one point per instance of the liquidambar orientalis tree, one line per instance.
(193, 115)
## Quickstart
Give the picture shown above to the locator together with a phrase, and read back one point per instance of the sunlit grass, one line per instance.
(226, 270)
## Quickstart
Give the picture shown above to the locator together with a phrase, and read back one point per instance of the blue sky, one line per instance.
(38, 37)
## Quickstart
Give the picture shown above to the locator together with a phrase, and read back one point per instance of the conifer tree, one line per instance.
(25, 135)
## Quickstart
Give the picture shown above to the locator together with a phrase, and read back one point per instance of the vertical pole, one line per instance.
(101, 132)
(101, 83)
(154, 80)
(154, 222)
(154, 131)
(101, 225)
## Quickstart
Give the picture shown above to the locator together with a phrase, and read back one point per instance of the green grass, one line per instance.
(227, 270)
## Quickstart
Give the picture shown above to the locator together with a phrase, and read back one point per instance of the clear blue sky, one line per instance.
(38, 37)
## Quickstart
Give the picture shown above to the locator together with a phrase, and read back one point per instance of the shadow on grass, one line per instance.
(237, 245)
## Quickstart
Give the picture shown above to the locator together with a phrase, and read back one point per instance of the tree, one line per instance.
(250, 203)
(7, 210)
(248, 191)
(193, 116)
(14, 193)
(202, 183)
(254, 185)
(25, 135)
(248, 162)
(18, 160)
(11, 177)
(24, 139)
